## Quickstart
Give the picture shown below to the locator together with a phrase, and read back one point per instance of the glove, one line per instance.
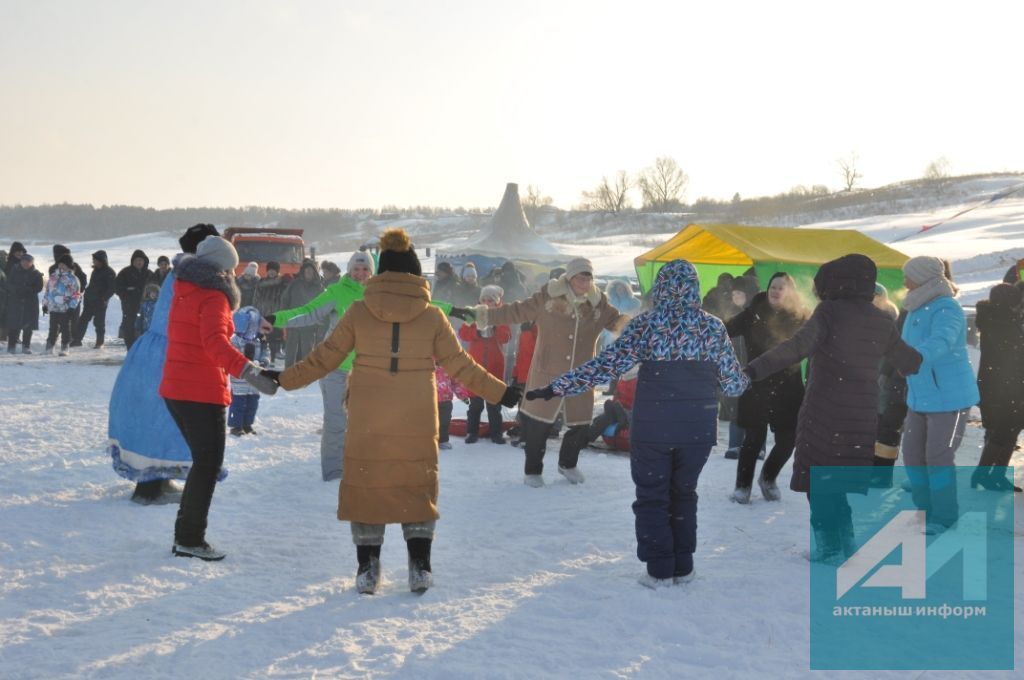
(462, 313)
(545, 393)
(267, 325)
(46, 310)
(513, 395)
(272, 375)
(252, 375)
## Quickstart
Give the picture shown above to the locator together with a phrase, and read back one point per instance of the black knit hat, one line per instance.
(16, 247)
(65, 259)
(59, 250)
(275, 265)
(193, 236)
(162, 259)
(397, 254)
(100, 255)
(850, 277)
(1005, 295)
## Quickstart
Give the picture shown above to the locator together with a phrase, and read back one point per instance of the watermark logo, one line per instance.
(910, 575)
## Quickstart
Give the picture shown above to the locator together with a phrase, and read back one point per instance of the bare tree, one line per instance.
(534, 202)
(848, 168)
(607, 196)
(937, 169)
(663, 185)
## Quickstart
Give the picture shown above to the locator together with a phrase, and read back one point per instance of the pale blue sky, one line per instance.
(357, 104)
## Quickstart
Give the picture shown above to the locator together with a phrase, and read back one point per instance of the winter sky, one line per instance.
(332, 103)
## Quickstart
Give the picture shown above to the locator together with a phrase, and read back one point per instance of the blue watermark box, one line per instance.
(912, 574)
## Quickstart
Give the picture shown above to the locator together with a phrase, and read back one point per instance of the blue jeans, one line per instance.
(243, 410)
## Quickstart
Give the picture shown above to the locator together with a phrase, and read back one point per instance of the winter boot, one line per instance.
(236, 432)
(203, 551)
(99, 341)
(48, 350)
(884, 461)
(989, 473)
(573, 474)
(146, 493)
(445, 446)
(368, 574)
(684, 578)
(497, 439)
(741, 495)
(248, 429)
(648, 581)
(63, 351)
(827, 546)
(536, 481)
(472, 438)
(769, 489)
(420, 576)
(26, 349)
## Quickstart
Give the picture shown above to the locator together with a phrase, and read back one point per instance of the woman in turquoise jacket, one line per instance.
(942, 392)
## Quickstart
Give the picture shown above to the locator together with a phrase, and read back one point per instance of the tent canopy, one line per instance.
(728, 248)
(508, 236)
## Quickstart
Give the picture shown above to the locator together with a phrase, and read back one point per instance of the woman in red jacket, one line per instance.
(200, 357)
(487, 349)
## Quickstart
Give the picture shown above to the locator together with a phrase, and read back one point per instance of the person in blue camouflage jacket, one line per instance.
(685, 356)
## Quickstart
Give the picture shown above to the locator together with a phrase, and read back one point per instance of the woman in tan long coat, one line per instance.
(391, 473)
(570, 313)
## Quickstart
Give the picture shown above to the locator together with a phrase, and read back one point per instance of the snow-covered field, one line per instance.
(529, 583)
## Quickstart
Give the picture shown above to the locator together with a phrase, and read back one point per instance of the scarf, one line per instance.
(925, 293)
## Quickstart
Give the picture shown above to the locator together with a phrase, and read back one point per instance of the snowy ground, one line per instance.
(529, 583)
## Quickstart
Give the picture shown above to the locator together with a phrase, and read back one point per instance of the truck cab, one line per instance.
(265, 244)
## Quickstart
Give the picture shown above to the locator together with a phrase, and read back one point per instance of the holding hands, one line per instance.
(545, 393)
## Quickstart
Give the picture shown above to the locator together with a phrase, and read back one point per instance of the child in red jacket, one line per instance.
(487, 349)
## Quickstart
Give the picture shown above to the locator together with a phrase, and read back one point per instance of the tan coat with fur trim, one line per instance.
(391, 444)
(567, 331)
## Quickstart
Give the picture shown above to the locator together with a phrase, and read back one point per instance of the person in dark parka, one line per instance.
(1001, 383)
(846, 339)
(771, 318)
(24, 282)
(685, 358)
(97, 295)
(13, 256)
(306, 286)
(129, 284)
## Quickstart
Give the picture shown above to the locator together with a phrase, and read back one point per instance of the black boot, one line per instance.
(147, 493)
(420, 576)
(368, 574)
(884, 460)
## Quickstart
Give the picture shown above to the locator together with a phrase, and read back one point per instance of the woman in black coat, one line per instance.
(771, 318)
(24, 282)
(846, 339)
(1001, 383)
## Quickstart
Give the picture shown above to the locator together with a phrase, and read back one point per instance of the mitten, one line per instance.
(544, 393)
(254, 376)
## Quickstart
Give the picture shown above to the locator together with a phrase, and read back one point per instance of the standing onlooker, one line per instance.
(247, 283)
(771, 318)
(97, 294)
(940, 396)
(62, 297)
(305, 287)
(3, 295)
(512, 282)
(718, 300)
(129, 285)
(445, 285)
(245, 399)
(845, 339)
(447, 391)
(685, 358)
(13, 257)
(23, 283)
(391, 470)
(467, 293)
(267, 299)
(486, 346)
(200, 357)
(149, 297)
(892, 402)
(570, 313)
(331, 272)
(163, 268)
(1001, 383)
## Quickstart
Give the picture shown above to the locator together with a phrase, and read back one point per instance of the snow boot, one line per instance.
(445, 446)
(248, 429)
(572, 474)
(741, 495)
(497, 439)
(420, 576)
(63, 351)
(536, 481)
(203, 551)
(147, 493)
(648, 581)
(769, 489)
(684, 578)
(236, 432)
(472, 438)
(48, 350)
(368, 574)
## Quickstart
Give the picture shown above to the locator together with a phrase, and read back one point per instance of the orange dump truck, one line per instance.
(265, 244)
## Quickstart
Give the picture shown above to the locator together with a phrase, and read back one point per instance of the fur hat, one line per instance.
(923, 268)
(358, 258)
(193, 236)
(59, 250)
(163, 259)
(579, 265)
(65, 259)
(493, 292)
(100, 256)
(251, 269)
(218, 252)
(397, 254)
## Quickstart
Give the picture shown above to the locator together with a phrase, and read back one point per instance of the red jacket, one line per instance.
(487, 352)
(625, 392)
(524, 355)
(199, 351)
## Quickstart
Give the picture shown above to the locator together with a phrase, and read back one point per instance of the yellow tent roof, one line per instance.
(732, 244)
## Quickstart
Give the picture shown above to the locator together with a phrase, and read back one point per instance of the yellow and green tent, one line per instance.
(718, 248)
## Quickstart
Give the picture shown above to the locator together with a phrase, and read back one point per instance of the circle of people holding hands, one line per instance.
(848, 383)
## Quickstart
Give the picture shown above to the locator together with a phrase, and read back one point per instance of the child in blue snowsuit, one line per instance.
(685, 356)
(145, 318)
(245, 399)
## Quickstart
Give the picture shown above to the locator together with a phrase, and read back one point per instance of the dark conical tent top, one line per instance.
(508, 236)
(728, 248)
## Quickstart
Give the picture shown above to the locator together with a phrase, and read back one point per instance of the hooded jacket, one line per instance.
(300, 291)
(391, 472)
(101, 285)
(846, 339)
(23, 286)
(200, 355)
(130, 283)
(1001, 368)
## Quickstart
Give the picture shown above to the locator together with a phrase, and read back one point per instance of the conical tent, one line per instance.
(718, 248)
(508, 236)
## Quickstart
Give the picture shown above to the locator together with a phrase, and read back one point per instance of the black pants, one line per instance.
(444, 419)
(476, 407)
(614, 414)
(127, 330)
(98, 315)
(754, 438)
(535, 441)
(12, 338)
(1005, 438)
(202, 426)
(60, 322)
